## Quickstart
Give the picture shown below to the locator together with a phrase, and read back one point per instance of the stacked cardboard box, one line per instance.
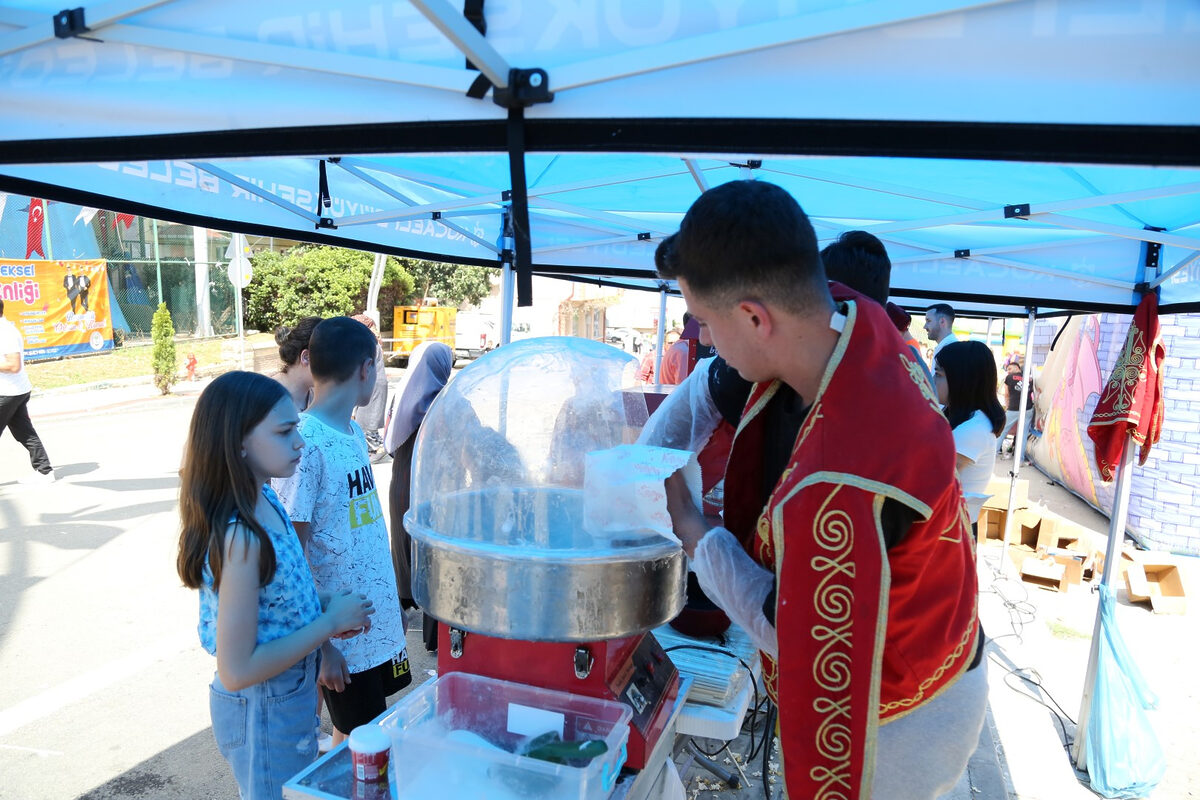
(1154, 577)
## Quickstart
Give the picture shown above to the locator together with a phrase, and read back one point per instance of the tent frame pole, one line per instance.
(660, 339)
(1019, 434)
(1116, 533)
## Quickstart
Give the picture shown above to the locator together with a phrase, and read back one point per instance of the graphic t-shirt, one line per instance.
(1013, 384)
(334, 491)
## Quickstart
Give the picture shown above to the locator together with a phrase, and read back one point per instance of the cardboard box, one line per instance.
(1047, 573)
(1160, 584)
(1026, 529)
(1018, 553)
(990, 525)
(1072, 562)
(998, 488)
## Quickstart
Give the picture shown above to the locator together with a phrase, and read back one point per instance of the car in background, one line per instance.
(474, 335)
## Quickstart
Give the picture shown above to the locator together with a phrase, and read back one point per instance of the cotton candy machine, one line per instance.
(501, 554)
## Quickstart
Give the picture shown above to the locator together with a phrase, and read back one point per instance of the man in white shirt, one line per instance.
(939, 324)
(14, 399)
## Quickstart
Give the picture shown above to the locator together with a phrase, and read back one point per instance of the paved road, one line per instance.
(104, 683)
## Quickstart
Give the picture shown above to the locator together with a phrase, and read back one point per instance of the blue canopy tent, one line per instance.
(1016, 157)
(1010, 154)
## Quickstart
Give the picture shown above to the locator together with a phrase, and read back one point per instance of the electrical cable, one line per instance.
(1021, 612)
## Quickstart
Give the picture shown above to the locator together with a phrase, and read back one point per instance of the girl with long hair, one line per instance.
(260, 613)
(965, 378)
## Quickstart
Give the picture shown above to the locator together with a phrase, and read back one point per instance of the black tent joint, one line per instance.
(69, 23)
(962, 253)
(643, 237)
(435, 215)
(326, 222)
(1018, 210)
(526, 87)
(753, 163)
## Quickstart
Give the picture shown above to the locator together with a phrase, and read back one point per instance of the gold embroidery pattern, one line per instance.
(960, 524)
(917, 375)
(833, 532)
(951, 660)
(1126, 375)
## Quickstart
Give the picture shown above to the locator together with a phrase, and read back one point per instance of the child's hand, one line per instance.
(350, 612)
(334, 674)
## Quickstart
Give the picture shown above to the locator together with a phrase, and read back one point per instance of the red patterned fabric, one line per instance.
(865, 634)
(1131, 404)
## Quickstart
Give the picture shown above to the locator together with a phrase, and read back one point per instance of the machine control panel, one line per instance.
(644, 680)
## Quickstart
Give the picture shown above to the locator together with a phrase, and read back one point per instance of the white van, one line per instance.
(474, 335)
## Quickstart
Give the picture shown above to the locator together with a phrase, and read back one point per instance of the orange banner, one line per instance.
(60, 307)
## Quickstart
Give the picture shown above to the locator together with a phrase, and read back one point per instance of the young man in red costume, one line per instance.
(846, 550)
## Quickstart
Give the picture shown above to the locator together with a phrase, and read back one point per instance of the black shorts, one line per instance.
(365, 697)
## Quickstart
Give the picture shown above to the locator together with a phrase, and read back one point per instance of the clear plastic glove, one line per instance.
(737, 584)
(687, 417)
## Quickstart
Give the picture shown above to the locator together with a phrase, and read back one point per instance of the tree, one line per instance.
(162, 357)
(451, 284)
(311, 280)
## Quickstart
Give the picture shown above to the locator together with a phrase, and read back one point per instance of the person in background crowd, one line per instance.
(877, 647)
(295, 374)
(965, 376)
(15, 388)
(1014, 380)
(428, 371)
(939, 326)
(677, 362)
(859, 260)
(372, 416)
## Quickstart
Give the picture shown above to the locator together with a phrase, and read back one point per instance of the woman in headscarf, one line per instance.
(428, 371)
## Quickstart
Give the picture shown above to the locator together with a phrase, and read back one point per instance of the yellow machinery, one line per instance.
(412, 325)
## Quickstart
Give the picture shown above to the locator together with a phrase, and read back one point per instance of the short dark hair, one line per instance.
(746, 239)
(338, 347)
(970, 370)
(859, 260)
(942, 310)
(294, 341)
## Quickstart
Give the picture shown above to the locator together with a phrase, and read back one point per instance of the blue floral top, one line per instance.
(286, 604)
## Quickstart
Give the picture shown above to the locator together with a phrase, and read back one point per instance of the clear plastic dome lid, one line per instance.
(499, 461)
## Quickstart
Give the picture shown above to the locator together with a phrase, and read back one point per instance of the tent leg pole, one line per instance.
(1019, 434)
(1116, 533)
(662, 335)
(507, 285)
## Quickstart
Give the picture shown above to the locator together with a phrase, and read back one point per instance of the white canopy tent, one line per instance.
(1010, 154)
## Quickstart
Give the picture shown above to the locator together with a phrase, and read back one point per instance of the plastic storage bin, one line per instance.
(455, 737)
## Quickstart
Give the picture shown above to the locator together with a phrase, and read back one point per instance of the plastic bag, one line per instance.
(1124, 758)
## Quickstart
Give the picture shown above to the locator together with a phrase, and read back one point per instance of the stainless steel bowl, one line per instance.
(517, 564)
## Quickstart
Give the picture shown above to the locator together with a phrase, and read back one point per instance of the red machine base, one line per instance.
(634, 670)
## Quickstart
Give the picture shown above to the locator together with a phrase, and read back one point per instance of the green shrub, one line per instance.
(310, 280)
(163, 356)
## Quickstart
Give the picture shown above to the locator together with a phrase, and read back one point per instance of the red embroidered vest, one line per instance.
(866, 634)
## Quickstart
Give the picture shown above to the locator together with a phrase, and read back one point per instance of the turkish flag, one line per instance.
(33, 229)
(124, 219)
(1131, 403)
